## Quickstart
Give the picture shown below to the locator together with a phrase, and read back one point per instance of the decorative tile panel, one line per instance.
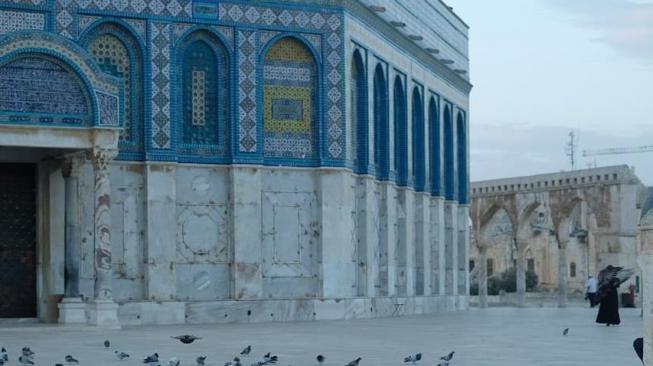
(328, 27)
(11, 20)
(289, 101)
(42, 91)
(247, 91)
(160, 63)
(108, 107)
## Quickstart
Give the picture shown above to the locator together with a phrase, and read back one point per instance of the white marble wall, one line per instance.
(283, 241)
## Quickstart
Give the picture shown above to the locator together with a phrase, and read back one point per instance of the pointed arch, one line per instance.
(290, 125)
(203, 93)
(449, 158)
(401, 132)
(418, 147)
(359, 111)
(381, 140)
(461, 144)
(435, 148)
(118, 52)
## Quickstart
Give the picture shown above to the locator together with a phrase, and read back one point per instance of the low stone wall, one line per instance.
(171, 312)
(533, 299)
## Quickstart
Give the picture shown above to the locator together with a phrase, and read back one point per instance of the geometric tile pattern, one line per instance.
(118, 53)
(19, 20)
(160, 63)
(329, 25)
(138, 25)
(39, 90)
(289, 101)
(167, 8)
(247, 133)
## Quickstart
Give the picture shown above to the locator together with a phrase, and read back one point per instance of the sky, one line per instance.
(542, 68)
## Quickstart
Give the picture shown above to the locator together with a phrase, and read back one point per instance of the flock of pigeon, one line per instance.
(27, 357)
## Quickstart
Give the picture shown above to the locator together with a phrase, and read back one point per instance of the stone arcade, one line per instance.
(563, 226)
(174, 161)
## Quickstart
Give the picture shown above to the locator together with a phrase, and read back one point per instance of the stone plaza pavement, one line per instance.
(496, 336)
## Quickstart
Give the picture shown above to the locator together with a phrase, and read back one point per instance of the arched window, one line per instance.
(119, 54)
(572, 269)
(449, 158)
(401, 133)
(380, 124)
(418, 141)
(204, 96)
(434, 148)
(461, 131)
(289, 100)
(359, 103)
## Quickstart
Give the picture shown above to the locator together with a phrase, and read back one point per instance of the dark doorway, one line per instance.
(18, 240)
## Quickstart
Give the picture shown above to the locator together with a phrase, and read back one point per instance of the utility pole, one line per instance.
(570, 149)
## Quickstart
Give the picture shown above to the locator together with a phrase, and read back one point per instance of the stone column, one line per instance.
(482, 276)
(72, 309)
(645, 261)
(562, 273)
(103, 311)
(521, 272)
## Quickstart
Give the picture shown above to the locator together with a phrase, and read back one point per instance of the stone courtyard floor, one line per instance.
(496, 336)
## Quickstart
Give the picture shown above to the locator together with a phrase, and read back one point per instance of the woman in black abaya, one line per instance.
(609, 303)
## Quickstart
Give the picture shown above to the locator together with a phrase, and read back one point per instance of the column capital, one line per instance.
(71, 163)
(102, 157)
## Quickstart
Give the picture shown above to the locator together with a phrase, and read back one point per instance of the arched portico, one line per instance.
(62, 112)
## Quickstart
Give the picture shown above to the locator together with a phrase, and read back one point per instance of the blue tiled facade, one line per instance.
(196, 83)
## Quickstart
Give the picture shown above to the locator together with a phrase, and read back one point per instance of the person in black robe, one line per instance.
(609, 304)
(638, 345)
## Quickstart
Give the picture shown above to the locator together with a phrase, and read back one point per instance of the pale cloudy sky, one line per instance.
(541, 68)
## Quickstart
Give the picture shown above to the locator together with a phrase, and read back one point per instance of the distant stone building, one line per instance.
(562, 226)
(174, 161)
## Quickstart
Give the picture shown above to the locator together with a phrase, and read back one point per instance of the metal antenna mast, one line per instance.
(570, 149)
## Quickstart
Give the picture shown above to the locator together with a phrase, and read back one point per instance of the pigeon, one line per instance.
(27, 352)
(355, 362)
(235, 362)
(25, 360)
(447, 357)
(187, 338)
(200, 360)
(107, 344)
(152, 358)
(3, 355)
(413, 359)
(565, 332)
(443, 363)
(246, 351)
(70, 359)
(173, 362)
(270, 360)
(58, 364)
(121, 355)
(320, 359)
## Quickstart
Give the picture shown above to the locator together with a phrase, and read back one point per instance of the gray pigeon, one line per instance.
(565, 332)
(235, 362)
(173, 362)
(3, 355)
(187, 338)
(25, 360)
(355, 362)
(27, 352)
(413, 358)
(71, 360)
(246, 351)
(200, 360)
(443, 363)
(447, 357)
(121, 355)
(152, 358)
(320, 359)
(107, 344)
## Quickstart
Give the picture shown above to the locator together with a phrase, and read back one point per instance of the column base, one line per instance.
(72, 311)
(103, 313)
